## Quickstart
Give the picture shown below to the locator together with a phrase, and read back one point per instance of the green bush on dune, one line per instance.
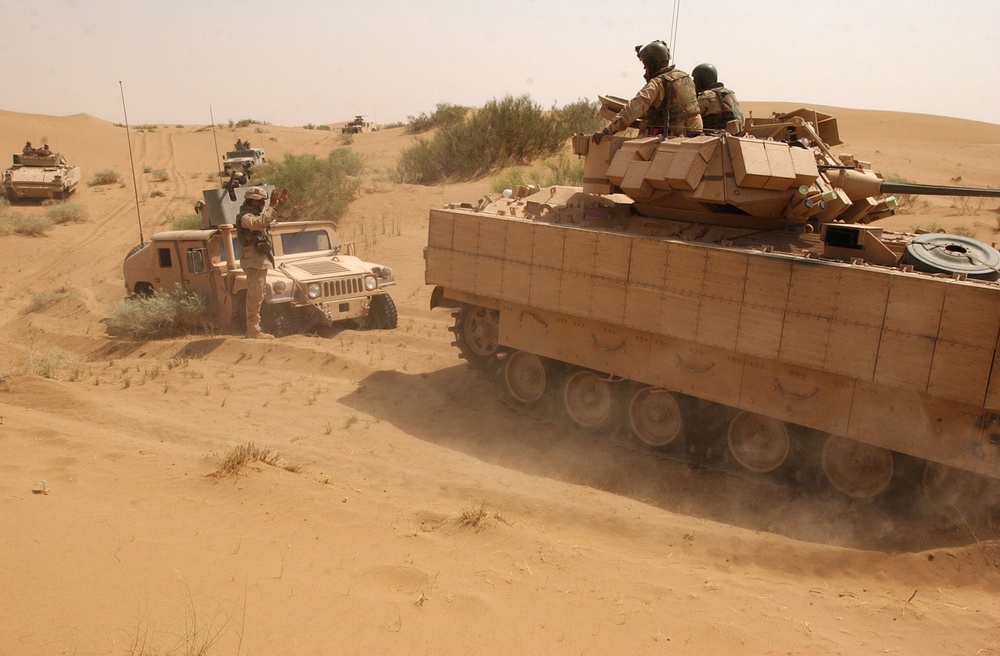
(160, 315)
(507, 132)
(317, 188)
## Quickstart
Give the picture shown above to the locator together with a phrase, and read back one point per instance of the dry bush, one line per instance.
(178, 312)
(15, 223)
(104, 177)
(42, 300)
(240, 456)
(60, 212)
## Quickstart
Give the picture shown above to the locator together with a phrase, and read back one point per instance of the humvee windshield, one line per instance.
(292, 243)
(306, 241)
(233, 154)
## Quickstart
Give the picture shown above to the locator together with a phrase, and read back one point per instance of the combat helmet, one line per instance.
(653, 54)
(704, 76)
(255, 193)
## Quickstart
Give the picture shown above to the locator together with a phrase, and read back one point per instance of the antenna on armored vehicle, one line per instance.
(211, 115)
(131, 162)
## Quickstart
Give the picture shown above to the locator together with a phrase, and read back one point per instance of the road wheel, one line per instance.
(525, 377)
(760, 444)
(587, 399)
(655, 417)
(856, 469)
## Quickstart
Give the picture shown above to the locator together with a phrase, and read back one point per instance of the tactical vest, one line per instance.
(730, 110)
(259, 240)
(680, 101)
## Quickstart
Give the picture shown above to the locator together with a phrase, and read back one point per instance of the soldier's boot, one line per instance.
(259, 334)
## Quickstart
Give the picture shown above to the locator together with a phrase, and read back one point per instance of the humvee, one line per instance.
(359, 124)
(243, 161)
(317, 279)
(40, 175)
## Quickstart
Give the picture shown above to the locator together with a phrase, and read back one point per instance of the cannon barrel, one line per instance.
(936, 190)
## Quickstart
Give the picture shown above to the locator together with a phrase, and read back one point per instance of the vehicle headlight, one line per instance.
(313, 290)
(382, 272)
(278, 286)
(370, 283)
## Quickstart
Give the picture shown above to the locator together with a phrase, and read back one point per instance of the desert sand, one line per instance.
(577, 544)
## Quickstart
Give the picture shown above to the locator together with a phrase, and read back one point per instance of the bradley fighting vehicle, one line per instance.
(40, 174)
(730, 298)
(316, 279)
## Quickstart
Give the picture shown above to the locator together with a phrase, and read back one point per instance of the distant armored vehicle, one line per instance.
(358, 125)
(316, 281)
(40, 174)
(736, 281)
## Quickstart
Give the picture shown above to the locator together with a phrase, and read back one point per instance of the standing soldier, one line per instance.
(257, 251)
(668, 100)
(718, 104)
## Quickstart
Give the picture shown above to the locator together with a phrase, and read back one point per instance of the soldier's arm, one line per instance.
(637, 107)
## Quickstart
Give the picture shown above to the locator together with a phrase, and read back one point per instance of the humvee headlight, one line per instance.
(278, 286)
(370, 283)
(313, 290)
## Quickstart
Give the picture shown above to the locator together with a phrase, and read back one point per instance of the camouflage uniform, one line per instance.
(668, 96)
(256, 257)
(718, 106)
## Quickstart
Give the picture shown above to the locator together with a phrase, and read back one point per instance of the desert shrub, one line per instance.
(42, 300)
(444, 115)
(240, 456)
(506, 132)
(187, 222)
(318, 188)
(145, 127)
(161, 315)
(52, 362)
(147, 169)
(561, 170)
(64, 212)
(160, 175)
(509, 178)
(246, 122)
(104, 177)
(15, 223)
(580, 116)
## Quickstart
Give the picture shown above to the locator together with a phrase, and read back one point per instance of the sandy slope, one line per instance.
(585, 545)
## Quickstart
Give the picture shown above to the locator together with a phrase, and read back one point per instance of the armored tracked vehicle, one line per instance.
(729, 299)
(40, 175)
(316, 281)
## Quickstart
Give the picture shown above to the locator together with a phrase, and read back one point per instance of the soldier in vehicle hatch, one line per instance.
(668, 100)
(257, 254)
(718, 104)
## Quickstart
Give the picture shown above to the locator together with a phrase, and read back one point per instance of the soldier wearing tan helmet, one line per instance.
(257, 253)
(668, 100)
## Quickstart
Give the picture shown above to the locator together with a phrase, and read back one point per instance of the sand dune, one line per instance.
(581, 545)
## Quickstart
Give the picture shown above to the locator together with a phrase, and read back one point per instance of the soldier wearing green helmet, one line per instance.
(718, 105)
(668, 100)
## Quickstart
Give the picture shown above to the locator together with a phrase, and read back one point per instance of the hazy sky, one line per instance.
(296, 61)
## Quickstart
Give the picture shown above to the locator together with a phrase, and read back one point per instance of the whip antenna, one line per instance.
(135, 186)
(211, 115)
(673, 29)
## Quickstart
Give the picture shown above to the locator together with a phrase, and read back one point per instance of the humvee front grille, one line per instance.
(343, 287)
